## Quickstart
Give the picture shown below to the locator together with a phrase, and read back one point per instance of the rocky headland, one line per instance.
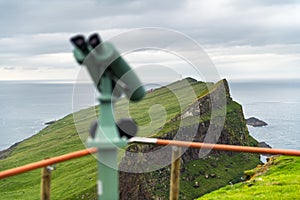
(212, 171)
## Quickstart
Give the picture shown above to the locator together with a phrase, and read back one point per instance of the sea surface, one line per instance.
(278, 104)
(26, 106)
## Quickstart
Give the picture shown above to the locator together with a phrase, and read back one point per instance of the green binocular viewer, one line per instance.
(102, 59)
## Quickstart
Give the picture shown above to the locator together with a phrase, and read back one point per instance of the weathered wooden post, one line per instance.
(175, 173)
(46, 183)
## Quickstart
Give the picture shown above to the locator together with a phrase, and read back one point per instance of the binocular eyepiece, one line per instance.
(80, 42)
(94, 40)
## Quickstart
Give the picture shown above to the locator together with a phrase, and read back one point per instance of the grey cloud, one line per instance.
(30, 68)
(9, 68)
(265, 2)
(35, 28)
(35, 16)
(35, 44)
(229, 22)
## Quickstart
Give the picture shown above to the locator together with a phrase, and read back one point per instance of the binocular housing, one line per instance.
(102, 58)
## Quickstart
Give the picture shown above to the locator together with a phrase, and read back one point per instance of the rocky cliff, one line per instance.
(213, 117)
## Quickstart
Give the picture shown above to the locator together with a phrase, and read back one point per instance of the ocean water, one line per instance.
(26, 106)
(278, 104)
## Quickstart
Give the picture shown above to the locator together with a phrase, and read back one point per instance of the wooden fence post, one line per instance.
(46, 183)
(175, 173)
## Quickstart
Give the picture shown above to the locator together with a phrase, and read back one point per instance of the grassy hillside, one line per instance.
(278, 179)
(62, 137)
(212, 172)
(76, 179)
(56, 139)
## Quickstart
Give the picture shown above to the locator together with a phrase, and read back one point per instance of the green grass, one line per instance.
(76, 179)
(56, 139)
(226, 166)
(211, 173)
(160, 106)
(280, 181)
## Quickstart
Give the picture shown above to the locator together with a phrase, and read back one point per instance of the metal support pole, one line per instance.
(108, 183)
(107, 141)
(46, 184)
(175, 173)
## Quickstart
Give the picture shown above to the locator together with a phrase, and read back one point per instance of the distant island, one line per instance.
(252, 121)
(50, 122)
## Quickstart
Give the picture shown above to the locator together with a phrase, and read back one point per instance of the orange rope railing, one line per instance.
(77, 154)
(47, 162)
(225, 147)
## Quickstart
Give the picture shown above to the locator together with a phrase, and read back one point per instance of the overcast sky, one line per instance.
(247, 39)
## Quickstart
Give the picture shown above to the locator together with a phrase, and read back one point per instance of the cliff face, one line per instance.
(213, 117)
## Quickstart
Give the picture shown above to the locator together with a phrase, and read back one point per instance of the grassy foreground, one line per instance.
(279, 179)
(76, 179)
(54, 140)
(205, 175)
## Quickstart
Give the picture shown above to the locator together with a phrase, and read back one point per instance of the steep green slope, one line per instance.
(211, 172)
(56, 139)
(278, 179)
(76, 179)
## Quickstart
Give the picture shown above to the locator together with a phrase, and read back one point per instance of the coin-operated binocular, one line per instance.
(101, 57)
(112, 76)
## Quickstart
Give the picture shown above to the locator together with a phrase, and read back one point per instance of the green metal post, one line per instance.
(107, 141)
